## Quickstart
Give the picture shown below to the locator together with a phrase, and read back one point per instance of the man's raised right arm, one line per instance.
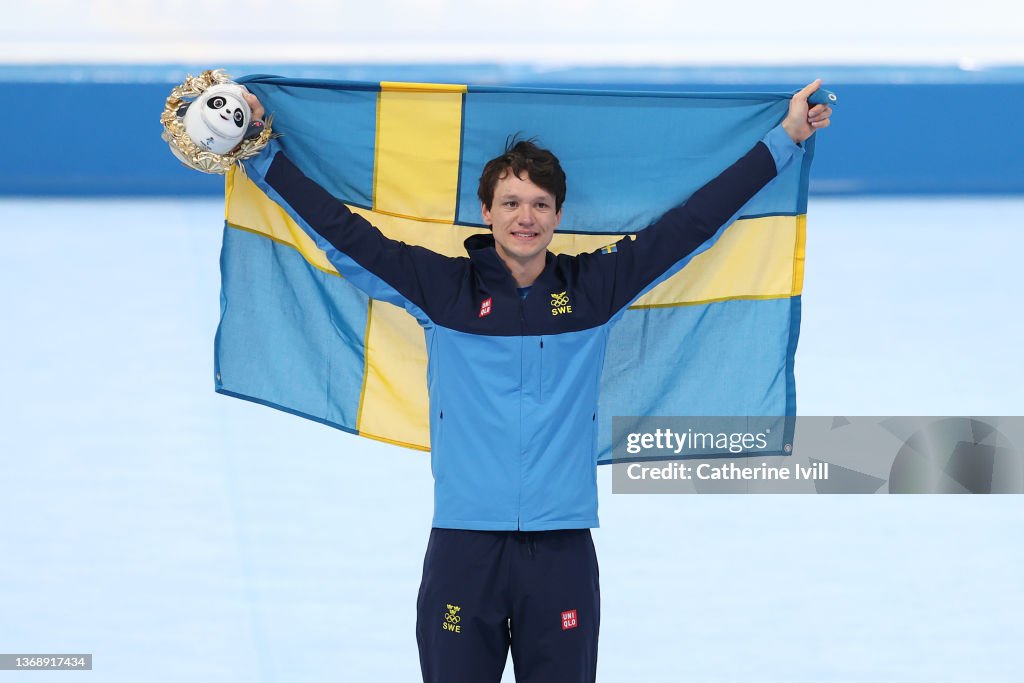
(383, 268)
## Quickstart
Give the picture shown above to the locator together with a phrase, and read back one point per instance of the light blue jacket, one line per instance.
(513, 392)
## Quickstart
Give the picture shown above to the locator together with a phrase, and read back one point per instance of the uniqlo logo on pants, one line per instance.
(569, 620)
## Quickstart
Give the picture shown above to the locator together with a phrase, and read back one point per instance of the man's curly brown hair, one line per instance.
(523, 156)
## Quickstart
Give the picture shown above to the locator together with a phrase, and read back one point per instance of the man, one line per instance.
(516, 339)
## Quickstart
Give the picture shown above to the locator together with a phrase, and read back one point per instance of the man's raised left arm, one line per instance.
(639, 262)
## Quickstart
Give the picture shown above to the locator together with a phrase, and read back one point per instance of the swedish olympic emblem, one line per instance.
(560, 303)
(452, 619)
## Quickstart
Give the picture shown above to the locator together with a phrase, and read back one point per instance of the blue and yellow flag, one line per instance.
(717, 338)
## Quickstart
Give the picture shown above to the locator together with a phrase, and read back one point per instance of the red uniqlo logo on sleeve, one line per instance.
(485, 307)
(569, 620)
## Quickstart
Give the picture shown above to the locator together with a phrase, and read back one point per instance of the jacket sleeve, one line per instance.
(659, 251)
(383, 268)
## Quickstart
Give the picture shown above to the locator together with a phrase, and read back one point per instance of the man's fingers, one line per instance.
(254, 105)
(819, 112)
(821, 124)
(808, 90)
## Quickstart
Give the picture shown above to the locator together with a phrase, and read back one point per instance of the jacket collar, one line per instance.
(492, 269)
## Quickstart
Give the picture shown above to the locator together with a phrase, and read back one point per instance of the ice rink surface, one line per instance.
(178, 535)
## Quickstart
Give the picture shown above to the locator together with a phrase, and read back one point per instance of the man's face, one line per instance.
(522, 217)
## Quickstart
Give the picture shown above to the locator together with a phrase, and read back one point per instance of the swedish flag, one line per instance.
(717, 338)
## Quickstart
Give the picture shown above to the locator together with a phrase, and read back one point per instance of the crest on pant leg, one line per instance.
(452, 619)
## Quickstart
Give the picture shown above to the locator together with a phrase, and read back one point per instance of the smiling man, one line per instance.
(516, 337)
(521, 194)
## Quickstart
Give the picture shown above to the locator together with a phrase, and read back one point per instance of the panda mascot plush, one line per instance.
(212, 131)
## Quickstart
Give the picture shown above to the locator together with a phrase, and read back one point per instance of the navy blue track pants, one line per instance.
(485, 591)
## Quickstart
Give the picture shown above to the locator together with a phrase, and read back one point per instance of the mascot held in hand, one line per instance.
(213, 131)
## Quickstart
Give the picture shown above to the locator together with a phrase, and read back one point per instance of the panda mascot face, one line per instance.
(217, 119)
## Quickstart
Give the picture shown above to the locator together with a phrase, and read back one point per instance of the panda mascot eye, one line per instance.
(216, 102)
(239, 116)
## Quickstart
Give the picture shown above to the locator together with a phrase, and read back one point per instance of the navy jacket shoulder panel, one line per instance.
(488, 303)
(478, 294)
(418, 275)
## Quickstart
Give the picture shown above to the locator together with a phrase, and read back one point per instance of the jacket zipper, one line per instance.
(522, 386)
(540, 373)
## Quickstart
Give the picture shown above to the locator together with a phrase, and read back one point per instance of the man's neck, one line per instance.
(525, 274)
